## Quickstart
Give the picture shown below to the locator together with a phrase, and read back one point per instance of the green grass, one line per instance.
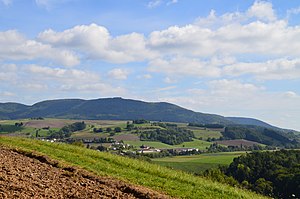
(198, 163)
(174, 183)
(9, 128)
(198, 144)
(158, 145)
(205, 133)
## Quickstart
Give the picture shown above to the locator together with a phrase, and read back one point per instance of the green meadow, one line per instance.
(197, 163)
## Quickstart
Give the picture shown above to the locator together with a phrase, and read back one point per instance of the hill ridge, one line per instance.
(117, 108)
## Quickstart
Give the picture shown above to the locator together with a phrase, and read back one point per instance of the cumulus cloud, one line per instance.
(262, 10)
(14, 46)
(118, 73)
(172, 2)
(278, 69)
(184, 66)
(154, 3)
(169, 80)
(96, 43)
(232, 38)
(72, 76)
(236, 98)
(53, 82)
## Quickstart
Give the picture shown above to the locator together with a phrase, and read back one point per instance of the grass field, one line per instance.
(174, 183)
(198, 144)
(157, 145)
(198, 163)
(205, 133)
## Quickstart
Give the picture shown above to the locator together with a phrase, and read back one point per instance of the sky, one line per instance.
(227, 57)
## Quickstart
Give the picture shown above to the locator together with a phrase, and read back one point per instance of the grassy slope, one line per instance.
(199, 144)
(198, 163)
(174, 183)
(205, 133)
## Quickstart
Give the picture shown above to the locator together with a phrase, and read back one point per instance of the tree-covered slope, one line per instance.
(271, 137)
(111, 108)
(250, 121)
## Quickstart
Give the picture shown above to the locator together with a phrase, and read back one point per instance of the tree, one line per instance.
(118, 129)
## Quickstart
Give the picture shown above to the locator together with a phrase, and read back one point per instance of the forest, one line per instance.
(275, 174)
(170, 135)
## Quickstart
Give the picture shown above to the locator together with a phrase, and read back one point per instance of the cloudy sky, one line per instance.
(229, 57)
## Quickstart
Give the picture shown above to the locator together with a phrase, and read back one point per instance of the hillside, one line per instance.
(113, 109)
(267, 136)
(173, 183)
(42, 178)
(250, 121)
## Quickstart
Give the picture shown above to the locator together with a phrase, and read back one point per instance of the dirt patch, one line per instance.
(46, 123)
(238, 142)
(126, 137)
(26, 175)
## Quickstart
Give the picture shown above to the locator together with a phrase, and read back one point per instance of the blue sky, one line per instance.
(229, 57)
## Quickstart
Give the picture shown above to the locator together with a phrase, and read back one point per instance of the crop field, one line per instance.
(198, 163)
(174, 183)
(205, 133)
(157, 145)
(198, 144)
(126, 137)
(238, 142)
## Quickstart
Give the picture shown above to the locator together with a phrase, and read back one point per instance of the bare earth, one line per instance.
(238, 142)
(25, 175)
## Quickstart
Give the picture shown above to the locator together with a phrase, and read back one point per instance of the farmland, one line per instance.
(198, 163)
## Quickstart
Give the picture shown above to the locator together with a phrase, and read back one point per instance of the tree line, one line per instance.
(275, 174)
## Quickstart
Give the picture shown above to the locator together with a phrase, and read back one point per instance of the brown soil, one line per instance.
(46, 123)
(238, 142)
(126, 137)
(25, 175)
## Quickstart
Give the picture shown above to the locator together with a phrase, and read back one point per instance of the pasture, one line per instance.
(197, 163)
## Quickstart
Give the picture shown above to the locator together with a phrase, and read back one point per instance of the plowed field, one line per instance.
(25, 175)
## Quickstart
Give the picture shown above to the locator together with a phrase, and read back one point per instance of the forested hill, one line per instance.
(250, 121)
(115, 109)
(107, 108)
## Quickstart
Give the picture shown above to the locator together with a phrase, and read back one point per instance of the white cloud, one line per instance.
(291, 94)
(165, 89)
(96, 43)
(235, 98)
(262, 10)
(146, 76)
(72, 76)
(14, 46)
(59, 82)
(34, 86)
(7, 94)
(169, 80)
(273, 69)
(184, 66)
(99, 89)
(49, 4)
(154, 3)
(172, 2)
(220, 45)
(7, 73)
(118, 73)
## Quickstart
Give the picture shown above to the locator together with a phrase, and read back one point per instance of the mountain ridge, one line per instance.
(118, 109)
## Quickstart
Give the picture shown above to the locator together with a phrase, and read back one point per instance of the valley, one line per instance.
(156, 152)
